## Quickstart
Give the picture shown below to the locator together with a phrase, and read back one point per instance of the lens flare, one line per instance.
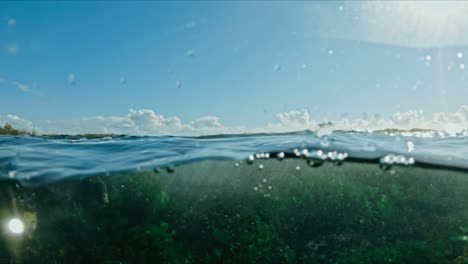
(15, 226)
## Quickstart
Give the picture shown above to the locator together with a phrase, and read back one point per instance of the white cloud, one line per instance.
(148, 122)
(137, 122)
(97, 124)
(451, 123)
(206, 122)
(293, 121)
(21, 86)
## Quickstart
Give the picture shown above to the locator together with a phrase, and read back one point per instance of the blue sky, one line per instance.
(243, 62)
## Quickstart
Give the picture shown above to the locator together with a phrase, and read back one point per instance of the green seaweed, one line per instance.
(210, 212)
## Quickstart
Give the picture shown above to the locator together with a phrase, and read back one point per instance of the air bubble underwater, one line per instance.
(325, 142)
(387, 161)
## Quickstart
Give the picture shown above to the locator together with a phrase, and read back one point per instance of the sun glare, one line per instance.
(415, 23)
(439, 11)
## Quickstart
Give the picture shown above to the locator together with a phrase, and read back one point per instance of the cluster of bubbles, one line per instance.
(397, 159)
(262, 155)
(263, 188)
(410, 146)
(332, 155)
(319, 155)
(461, 66)
(460, 56)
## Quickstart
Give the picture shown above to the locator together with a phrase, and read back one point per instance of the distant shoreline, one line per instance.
(9, 130)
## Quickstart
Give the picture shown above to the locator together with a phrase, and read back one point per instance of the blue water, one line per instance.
(35, 160)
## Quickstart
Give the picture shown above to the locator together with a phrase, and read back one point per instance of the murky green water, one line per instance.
(284, 211)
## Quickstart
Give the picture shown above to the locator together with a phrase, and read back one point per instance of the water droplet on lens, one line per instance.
(460, 55)
(260, 166)
(71, 79)
(11, 22)
(325, 142)
(12, 174)
(191, 25)
(296, 152)
(190, 53)
(410, 146)
(298, 168)
(13, 48)
(277, 67)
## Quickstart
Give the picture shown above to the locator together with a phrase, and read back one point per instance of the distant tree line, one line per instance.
(8, 129)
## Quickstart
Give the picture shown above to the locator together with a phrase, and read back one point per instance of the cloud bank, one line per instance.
(149, 122)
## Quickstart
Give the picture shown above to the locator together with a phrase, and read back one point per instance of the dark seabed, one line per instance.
(291, 210)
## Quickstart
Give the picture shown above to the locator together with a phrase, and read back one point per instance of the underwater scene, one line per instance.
(234, 132)
(279, 198)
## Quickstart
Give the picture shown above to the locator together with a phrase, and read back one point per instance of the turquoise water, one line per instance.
(32, 160)
(267, 198)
